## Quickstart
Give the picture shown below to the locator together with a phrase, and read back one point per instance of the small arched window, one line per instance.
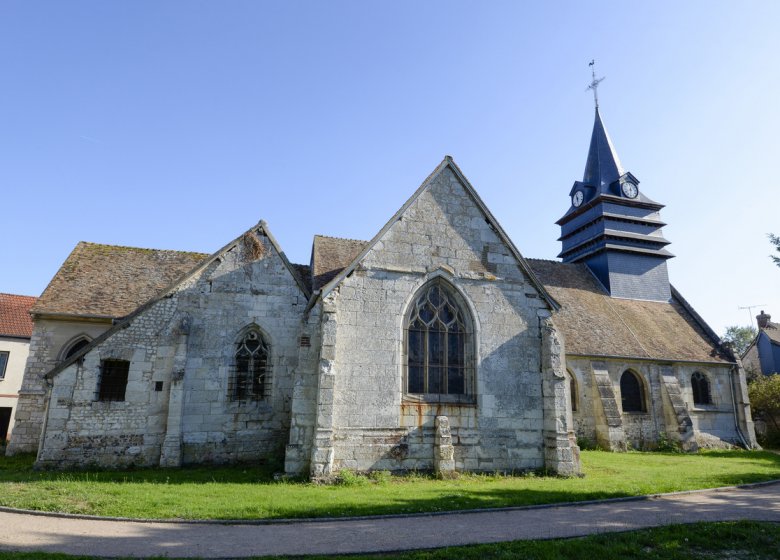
(73, 346)
(701, 388)
(438, 343)
(572, 391)
(250, 376)
(632, 392)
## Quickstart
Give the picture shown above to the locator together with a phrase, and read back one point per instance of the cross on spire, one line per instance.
(594, 85)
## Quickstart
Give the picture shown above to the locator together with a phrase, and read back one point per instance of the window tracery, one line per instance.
(250, 376)
(438, 344)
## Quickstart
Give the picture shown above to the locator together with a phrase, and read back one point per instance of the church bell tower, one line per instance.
(613, 227)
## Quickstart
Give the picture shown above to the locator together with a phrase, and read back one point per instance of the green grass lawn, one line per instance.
(715, 541)
(250, 492)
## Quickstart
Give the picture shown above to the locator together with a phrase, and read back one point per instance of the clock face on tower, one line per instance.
(577, 198)
(629, 189)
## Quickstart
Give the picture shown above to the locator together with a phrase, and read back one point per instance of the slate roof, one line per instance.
(772, 330)
(595, 324)
(15, 317)
(111, 281)
(603, 165)
(331, 255)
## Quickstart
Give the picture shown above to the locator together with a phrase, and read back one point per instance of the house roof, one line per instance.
(111, 281)
(15, 317)
(331, 255)
(595, 324)
(772, 330)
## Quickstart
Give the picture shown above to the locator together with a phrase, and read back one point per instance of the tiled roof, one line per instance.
(111, 281)
(772, 330)
(15, 315)
(331, 255)
(595, 324)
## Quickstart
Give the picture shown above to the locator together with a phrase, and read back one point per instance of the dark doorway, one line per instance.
(5, 421)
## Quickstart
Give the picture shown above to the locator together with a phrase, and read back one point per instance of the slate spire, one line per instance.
(603, 166)
(614, 228)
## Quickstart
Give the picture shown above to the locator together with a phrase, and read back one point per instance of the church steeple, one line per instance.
(613, 227)
(603, 165)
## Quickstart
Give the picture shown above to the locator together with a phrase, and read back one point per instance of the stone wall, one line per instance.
(370, 422)
(50, 338)
(712, 425)
(181, 350)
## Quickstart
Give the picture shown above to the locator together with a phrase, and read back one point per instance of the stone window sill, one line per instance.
(705, 408)
(432, 398)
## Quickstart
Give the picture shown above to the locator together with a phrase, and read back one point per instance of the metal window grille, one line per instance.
(631, 393)
(249, 379)
(437, 338)
(701, 388)
(113, 380)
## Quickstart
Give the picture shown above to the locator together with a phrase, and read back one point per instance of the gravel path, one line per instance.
(110, 538)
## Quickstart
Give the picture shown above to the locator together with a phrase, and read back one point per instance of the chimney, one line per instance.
(763, 320)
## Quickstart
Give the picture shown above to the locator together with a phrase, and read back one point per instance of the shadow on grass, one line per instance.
(19, 468)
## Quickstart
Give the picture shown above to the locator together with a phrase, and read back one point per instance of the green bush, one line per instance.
(764, 395)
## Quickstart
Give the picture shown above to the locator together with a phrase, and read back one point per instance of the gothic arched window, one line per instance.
(701, 388)
(439, 357)
(73, 346)
(250, 376)
(632, 392)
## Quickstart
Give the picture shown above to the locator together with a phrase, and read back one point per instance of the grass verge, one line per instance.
(246, 492)
(742, 539)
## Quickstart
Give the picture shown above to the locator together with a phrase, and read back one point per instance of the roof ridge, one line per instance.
(92, 243)
(18, 295)
(340, 238)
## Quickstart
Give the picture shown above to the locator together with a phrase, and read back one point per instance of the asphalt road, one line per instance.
(108, 538)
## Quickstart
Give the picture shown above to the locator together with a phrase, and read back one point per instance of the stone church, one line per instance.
(435, 345)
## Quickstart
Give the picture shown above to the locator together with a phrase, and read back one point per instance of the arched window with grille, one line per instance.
(632, 392)
(250, 376)
(701, 388)
(439, 352)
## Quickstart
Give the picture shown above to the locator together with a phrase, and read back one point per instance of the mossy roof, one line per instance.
(595, 324)
(110, 280)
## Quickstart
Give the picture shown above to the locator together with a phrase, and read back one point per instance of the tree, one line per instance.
(739, 337)
(775, 240)
(764, 395)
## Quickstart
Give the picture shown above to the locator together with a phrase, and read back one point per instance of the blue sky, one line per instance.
(178, 125)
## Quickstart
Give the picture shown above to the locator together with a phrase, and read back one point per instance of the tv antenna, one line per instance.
(750, 309)
(594, 85)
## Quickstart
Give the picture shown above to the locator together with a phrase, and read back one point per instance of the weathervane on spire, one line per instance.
(594, 85)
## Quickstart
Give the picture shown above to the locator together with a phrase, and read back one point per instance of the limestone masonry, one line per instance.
(433, 346)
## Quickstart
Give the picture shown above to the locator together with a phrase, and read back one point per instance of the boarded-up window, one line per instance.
(701, 388)
(113, 380)
(249, 380)
(632, 393)
(437, 344)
